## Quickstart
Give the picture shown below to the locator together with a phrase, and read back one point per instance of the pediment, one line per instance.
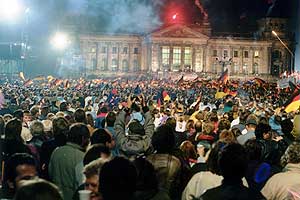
(179, 31)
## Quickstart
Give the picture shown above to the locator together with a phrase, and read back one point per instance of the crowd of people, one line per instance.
(148, 139)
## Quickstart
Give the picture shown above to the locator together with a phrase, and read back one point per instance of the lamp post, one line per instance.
(287, 48)
(224, 61)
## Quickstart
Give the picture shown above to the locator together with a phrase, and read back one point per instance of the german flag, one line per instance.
(180, 81)
(224, 77)
(259, 81)
(39, 78)
(21, 75)
(67, 83)
(166, 96)
(28, 82)
(294, 103)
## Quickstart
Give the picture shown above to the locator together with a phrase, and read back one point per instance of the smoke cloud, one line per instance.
(132, 16)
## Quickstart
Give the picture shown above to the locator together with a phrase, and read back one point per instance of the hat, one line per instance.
(251, 121)
(136, 128)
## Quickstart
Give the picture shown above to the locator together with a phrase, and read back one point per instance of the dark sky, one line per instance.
(138, 15)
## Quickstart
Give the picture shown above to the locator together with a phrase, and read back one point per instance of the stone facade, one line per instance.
(180, 47)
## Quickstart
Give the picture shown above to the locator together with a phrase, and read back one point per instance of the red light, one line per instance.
(174, 16)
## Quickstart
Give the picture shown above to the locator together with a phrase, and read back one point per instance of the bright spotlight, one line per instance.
(60, 41)
(10, 9)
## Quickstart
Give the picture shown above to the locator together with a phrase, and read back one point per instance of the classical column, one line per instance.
(109, 60)
(119, 56)
(171, 58)
(182, 64)
(193, 66)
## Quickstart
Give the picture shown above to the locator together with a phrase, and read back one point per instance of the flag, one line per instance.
(293, 103)
(180, 81)
(50, 79)
(259, 81)
(67, 83)
(233, 93)
(294, 88)
(224, 77)
(166, 96)
(28, 82)
(22, 76)
(38, 78)
(56, 82)
(220, 95)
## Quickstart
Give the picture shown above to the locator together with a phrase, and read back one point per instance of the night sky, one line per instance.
(140, 16)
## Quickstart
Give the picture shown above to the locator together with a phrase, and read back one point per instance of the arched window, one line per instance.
(104, 64)
(125, 67)
(114, 65)
(255, 68)
(136, 66)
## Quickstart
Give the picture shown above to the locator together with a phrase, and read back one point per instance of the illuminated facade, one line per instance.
(181, 47)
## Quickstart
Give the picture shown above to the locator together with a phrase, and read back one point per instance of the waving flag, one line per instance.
(293, 103)
(28, 82)
(166, 96)
(224, 77)
(22, 76)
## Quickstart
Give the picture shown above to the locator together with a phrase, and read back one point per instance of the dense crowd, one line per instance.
(148, 139)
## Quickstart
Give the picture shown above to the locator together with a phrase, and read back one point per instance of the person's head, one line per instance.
(251, 124)
(291, 155)
(171, 121)
(110, 119)
(2, 125)
(79, 116)
(236, 132)
(13, 129)
(27, 116)
(36, 128)
(63, 106)
(146, 175)
(262, 131)
(90, 119)
(7, 117)
(79, 134)
(94, 152)
(163, 139)
(224, 124)
(101, 136)
(19, 166)
(212, 161)
(37, 190)
(91, 173)
(227, 135)
(120, 174)
(198, 127)
(254, 149)
(18, 114)
(188, 150)
(35, 112)
(233, 161)
(208, 129)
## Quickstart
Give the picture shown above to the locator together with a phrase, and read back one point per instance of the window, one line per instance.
(176, 56)
(225, 53)
(245, 68)
(187, 56)
(125, 67)
(235, 54)
(104, 64)
(165, 55)
(114, 50)
(94, 61)
(125, 49)
(136, 50)
(215, 53)
(236, 68)
(256, 54)
(246, 54)
(255, 68)
(136, 66)
(103, 50)
(93, 49)
(114, 65)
